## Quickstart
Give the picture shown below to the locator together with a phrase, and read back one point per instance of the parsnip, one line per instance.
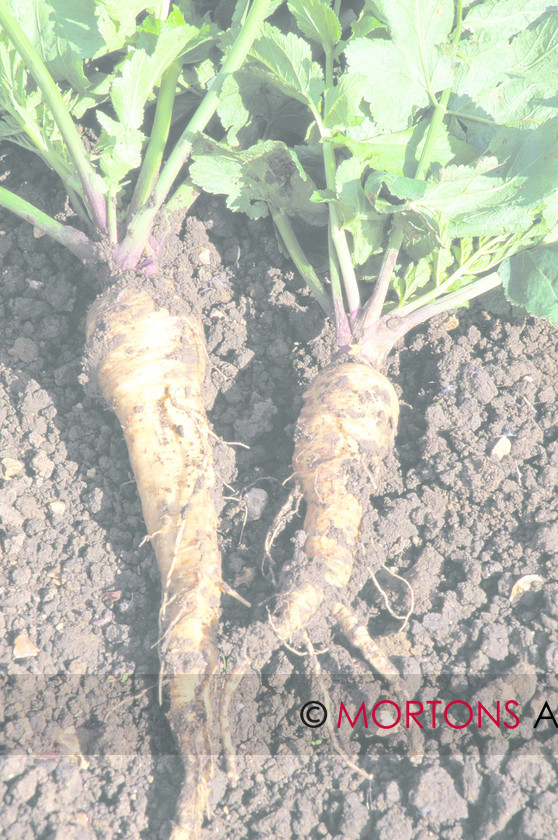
(148, 361)
(349, 418)
(145, 350)
(346, 428)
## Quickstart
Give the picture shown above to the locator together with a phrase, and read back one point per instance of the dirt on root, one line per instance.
(467, 510)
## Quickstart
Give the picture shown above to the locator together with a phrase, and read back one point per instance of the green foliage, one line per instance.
(250, 108)
(67, 34)
(137, 48)
(157, 44)
(342, 102)
(357, 217)
(499, 20)
(465, 190)
(530, 279)
(507, 81)
(268, 173)
(405, 71)
(317, 20)
(286, 62)
(427, 122)
(24, 116)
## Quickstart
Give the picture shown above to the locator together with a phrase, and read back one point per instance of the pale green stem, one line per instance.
(57, 163)
(382, 336)
(451, 301)
(130, 249)
(90, 181)
(441, 107)
(159, 134)
(37, 144)
(182, 198)
(342, 326)
(337, 234)
(373, 309)
(472, 118)
(111, 217)
(74, 240)
(466, 268)
(296, 253)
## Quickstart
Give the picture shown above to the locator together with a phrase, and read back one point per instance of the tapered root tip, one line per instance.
(192, 804)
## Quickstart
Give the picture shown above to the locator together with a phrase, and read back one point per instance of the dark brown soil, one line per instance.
(78, 577)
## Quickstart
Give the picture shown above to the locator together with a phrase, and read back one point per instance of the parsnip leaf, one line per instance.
(286, 61)
(497, 194)
(535, 164)
(405, 72)
(268, 173)
(250, 106)
(24, 116)
(157, 45)
(550, 217)
(317, 20)
(365, 226)
(342, 102)
(400, 151)
(508, 83)
(61, 43)
(117, 20)
(421, 232)
(407, 189)
(416, 277)
(120, 148)
(530, 279)
(495, 20)
(66, 33)
(366, 23)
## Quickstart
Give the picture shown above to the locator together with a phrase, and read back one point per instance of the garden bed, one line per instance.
(79, 579)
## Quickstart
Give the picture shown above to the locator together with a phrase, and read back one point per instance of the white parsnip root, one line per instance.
(345, 430)
(149, 364)
(348, 422)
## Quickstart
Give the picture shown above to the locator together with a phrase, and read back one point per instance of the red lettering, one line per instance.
(513, 714)
(413, 715)
(433, 703)
(482, 709)
(352, 722)
(385, 725)
(458, 725)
